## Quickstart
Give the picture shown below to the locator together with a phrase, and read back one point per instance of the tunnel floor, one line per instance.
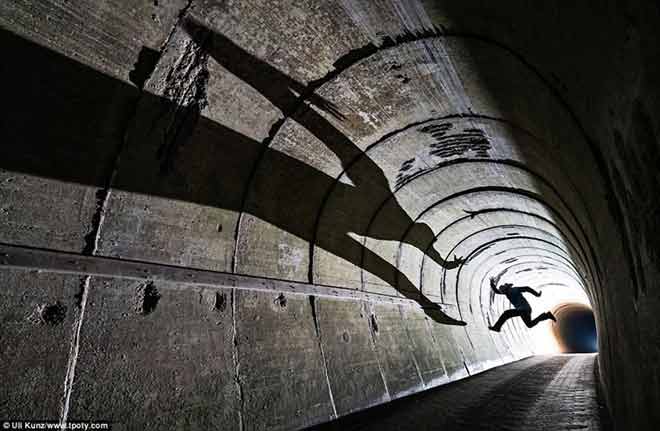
(556, 392)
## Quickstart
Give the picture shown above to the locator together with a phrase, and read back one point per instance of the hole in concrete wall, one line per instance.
(53, 314)
(374, 324)
(220, 303)
(281, 300)
(148, 297)
(575, 329)
(346, 337)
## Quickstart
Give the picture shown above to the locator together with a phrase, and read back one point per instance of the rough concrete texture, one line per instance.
(247, 214)
(171, 349)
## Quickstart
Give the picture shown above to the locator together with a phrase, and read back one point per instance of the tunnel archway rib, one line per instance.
(514, 211)
(592, 146)
(530, 267)
(536, 262)
(461, 161)
(544, 261)
(457, 116)
(521, 249)
(484, 246)
(486, 268)
(523, 227)
(311, 261)
(514, 191)
(469, 256)
(533, 252)
(567, 255)
(553, 270)
(571, 237)
(541, 259)
(458, 162)
(320, 82)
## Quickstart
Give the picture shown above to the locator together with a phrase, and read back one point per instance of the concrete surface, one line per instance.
(247, 214)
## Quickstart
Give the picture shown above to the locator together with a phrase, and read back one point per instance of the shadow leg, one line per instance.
(382, 269)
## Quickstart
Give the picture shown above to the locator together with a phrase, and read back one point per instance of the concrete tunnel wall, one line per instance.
(340, 153)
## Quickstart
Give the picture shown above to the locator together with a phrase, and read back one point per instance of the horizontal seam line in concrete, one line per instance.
(54, 261)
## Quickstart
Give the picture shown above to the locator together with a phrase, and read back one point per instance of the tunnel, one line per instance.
(274, 215)
(575, 331)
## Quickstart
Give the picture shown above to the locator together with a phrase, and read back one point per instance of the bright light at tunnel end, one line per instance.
(543, 336)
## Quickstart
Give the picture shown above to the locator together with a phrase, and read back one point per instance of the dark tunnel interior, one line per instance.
(575, 330)
(276, 214)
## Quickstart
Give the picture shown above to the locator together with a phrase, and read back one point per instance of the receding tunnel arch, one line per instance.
(580, 254)
(346, 66)
(508, 163)
(525, 194)
(470, 285)
(482, 247)
(520, 260)
(576, 328)
(528, 250)
(533, 265)
(515, 211)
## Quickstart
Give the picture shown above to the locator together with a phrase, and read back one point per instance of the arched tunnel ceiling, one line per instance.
(445, 146)
(349, 169)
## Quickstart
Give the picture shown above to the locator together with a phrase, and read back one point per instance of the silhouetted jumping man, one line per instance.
(522, 307)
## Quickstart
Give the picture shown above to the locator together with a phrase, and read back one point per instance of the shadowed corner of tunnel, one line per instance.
(173, 151)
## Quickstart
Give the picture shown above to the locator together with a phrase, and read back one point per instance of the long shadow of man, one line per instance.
(289, 194)
(82, 115)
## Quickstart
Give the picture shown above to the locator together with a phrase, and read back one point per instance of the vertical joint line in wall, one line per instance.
(90, 248)
(437, 344)
(467, 335)
(367, 311)
(317, 327)
(466, 367)
(73, 353)
(412, 350)
(239, 388)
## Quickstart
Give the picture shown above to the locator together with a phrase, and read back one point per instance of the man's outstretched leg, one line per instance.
(508, 314)
(540, 318)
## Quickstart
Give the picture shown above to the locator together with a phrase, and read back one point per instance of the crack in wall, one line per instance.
(368, 309)
(103, 196)
(237, 364)
(435, 341)
(412, 349)
(317, 327)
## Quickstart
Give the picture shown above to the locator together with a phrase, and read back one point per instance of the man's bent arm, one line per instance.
(530, 290)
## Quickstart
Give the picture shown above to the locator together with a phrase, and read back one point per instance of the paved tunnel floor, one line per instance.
(540, 393)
